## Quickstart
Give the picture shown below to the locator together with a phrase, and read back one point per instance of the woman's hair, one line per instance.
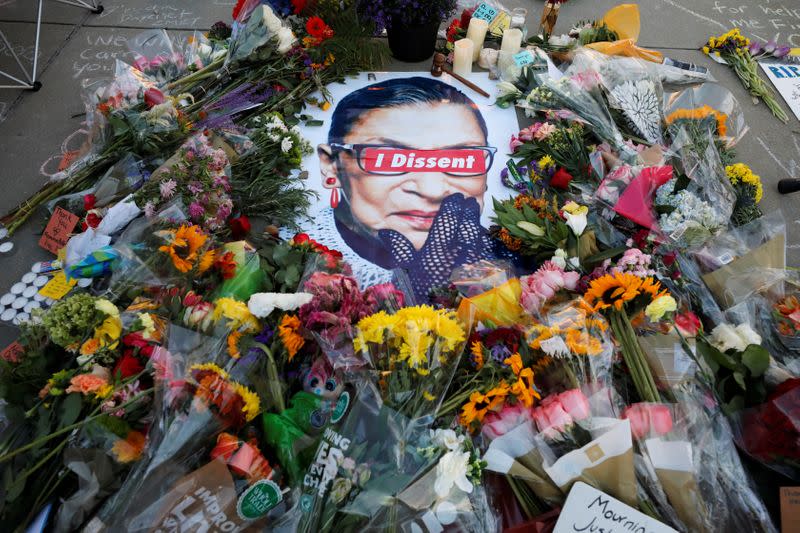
(393, 93)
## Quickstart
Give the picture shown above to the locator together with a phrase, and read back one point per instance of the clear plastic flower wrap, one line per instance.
(196, 401)
(660, 432)
(256, 27)
(770, 299)
(727, 489)
(758, 244)
(337, 304)
(377, 468)
(708, 107)
(156, 56)
(634, 92)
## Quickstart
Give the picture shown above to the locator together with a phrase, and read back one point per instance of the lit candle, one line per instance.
(512, 40)
(462, 57)
(476, 32)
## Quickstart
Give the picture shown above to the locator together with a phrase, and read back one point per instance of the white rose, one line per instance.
(747, 335)
(724, 337)
(452, 470)
(560, 259)
(286, 40)
(447, 438)
(263, 303)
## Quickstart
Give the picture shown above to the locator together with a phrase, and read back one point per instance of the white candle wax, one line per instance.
(512, 40)
(476, 32)
(462, 57)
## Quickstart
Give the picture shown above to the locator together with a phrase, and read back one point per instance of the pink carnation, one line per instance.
(544, 284)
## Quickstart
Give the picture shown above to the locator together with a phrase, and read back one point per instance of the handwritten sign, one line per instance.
(790, 508)
(58, 230)
(588, 509)
(58, 287)
(523, 58)
(786, 78)
(485, 12)
(13, 353)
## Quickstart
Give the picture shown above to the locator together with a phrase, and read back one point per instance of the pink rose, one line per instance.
(497, 424)
(648, 419)
(688, 324)
(544, 284)
(550, 416)
(575, 404)
(514, 144)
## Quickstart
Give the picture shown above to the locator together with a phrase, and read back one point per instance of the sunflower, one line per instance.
(479, 404)
(183, 245)
(515, 362)
(206, 261)
(580, 342)
(252, 403)
(476, 349)
(287, 331)
(618, 289)
(523, 388)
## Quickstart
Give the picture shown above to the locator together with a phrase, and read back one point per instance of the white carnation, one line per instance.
(452, 470)
(447, 438)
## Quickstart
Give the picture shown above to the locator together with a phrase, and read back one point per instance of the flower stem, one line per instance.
(634, 357)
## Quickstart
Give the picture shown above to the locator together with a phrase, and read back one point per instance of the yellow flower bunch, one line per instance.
(733, 37)
(410, 335)
(239, 316)
(699, 113)
(741, 174)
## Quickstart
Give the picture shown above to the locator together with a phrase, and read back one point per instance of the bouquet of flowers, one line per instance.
(733, 49)
(748, 193)
(559, 145)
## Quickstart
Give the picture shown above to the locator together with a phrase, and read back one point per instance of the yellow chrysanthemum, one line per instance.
(104, 391)
(546, 162)
(428, 396)
(371, 329)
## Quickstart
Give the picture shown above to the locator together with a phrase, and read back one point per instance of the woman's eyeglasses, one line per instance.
(379, 159)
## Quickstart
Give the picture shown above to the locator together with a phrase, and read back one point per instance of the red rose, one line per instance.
(134, 339)
(153, 97)
(127, 366)
(301, 238)
(688, 324)
(240, 227)
(466, 16)
(89, 201)
(561, 179)
(452, 30)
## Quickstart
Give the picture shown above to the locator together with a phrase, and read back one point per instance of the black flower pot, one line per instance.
(412, 43)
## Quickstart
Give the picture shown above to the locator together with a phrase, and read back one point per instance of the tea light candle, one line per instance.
(476, 32)
(512, 40)
(462, 57)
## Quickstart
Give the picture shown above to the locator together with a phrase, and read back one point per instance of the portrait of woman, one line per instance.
(404, 171)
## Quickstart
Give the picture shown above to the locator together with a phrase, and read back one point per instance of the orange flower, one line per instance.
(130, 448)
(226, 265)
(87, 383)
(287, 331)
(700, 113)
(515, 362)
(581, 342)
(512, 243)
(523, 388)
(90, 347)
(184, 243)
(479, 404)
(233, 344)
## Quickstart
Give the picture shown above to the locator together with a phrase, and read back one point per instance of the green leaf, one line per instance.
(756, 359)
(712, 354)
(736, 404)
(313, 123)
(70, 409)
(739, 377)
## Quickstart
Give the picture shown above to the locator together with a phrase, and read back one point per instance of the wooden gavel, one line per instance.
(439, 66)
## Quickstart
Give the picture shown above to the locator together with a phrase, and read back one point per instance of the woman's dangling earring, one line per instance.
(334, 198)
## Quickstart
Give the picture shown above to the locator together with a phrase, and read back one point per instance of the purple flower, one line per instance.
(195, 187)
(782, 51)
(167, 188)
(149, 209)
(755, 48)
(196, 210)
(770, 46)
(499, 352)
(265, 337)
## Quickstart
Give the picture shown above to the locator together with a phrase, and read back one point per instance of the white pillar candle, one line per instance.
(512, 40)
(476, 32)
(462, 57)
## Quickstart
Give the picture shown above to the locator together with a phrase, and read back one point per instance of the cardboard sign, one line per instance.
(790, 508)
(588, 509)
(786, 79)
(13, 353)
(58, 287)
(58, 230)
